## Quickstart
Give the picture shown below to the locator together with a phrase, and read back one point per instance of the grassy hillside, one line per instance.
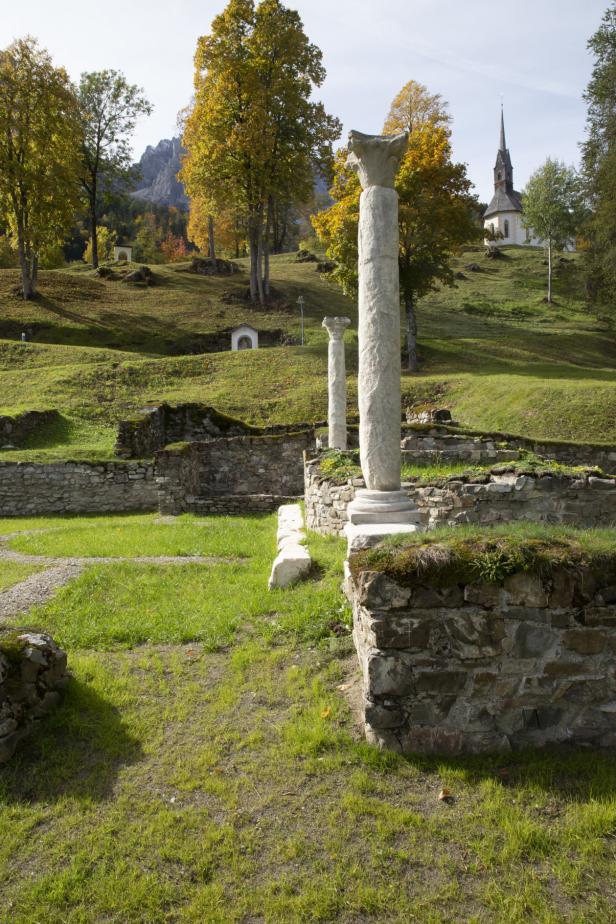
(492, 350)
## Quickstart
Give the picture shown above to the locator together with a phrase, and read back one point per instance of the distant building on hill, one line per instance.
(122, 253)
(503, 216)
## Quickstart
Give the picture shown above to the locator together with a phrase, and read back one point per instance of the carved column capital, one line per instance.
(336, 327)
(376, 158)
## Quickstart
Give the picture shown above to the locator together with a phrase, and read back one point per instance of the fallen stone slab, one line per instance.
(293, 560)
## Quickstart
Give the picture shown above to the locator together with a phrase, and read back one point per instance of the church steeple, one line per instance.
(503, 146)
(503, 169)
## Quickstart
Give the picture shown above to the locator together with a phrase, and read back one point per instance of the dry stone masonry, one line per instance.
(251, 473)
(15, 430)
(583, 500)
(32, 673)
(443, 447)
(459, 666)
(34, 488)
(157, 426)
(447, 442)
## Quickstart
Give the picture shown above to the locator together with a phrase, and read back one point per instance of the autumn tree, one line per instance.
(413, 107)
(253, 134)
(436, 214)
(201, 229)
(173, 248)
(39, 149)
(551, 204)
(599, 164)
(110, 108)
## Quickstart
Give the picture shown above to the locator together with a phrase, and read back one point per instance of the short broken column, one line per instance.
(293, 561)
(336, 382)
(376, 159)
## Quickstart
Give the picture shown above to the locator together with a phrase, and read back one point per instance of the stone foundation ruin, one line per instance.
(32, 673)
(454, 664)
(232, 475)
(493, 497)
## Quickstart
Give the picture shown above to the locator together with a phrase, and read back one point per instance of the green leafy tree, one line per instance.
(599, 164)
(106, 242)
(437, 212)
(110, 108)
(253, 134)
(39, 154)
(551, 204)
(147, 240)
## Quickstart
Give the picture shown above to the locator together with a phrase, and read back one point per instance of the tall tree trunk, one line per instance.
(254, 257)
(549, 271)
(210, 238)
(260, 287)
(266, 254)
(411, 332)
(254, 287)
(34, 264)
(27, 287)
(94, 227)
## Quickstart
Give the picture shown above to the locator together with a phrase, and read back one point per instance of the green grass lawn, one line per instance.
(492, 350)
(131, 535)
(12, 572)
(215, 773)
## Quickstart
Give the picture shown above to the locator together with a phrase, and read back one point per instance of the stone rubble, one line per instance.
(32, 673)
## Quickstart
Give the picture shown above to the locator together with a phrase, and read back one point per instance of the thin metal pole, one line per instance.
(300, 302)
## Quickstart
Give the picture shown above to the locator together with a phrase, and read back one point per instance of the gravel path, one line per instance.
(39, 587)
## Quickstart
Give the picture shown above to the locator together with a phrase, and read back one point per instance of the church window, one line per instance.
(506, 230)
(498, 176)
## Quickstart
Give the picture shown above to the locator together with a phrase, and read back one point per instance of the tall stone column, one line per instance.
(336, 382)
(376, 159)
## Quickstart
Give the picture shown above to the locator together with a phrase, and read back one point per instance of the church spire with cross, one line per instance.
(503, 169)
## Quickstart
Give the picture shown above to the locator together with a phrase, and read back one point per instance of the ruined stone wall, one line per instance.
(583, 501)
(443, 446)
(472, 667)
(32, 672)
(155, 427)
(435, 441)
(34, 488)
(261, 471)
(14, 430)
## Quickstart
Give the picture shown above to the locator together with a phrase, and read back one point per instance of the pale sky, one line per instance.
(530, 52)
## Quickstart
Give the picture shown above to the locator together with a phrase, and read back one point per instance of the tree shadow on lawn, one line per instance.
(76, 751)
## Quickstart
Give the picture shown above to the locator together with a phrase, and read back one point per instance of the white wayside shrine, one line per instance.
(382, 508)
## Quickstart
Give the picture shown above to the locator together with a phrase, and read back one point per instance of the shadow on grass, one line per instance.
(76, 751)
(569, 772)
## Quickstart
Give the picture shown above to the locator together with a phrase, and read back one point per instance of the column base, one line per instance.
(366, 535)
(382, 507)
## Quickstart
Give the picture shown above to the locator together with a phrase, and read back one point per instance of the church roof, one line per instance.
(503, 201)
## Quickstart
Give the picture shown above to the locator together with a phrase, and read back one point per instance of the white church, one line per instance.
(504, 213)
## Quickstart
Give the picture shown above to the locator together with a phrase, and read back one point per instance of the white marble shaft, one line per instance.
(376, 159)
(336, 382)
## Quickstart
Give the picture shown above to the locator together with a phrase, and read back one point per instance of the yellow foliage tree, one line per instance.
(40, 135)
(106, 239)
(253, 134)
(436, 207)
